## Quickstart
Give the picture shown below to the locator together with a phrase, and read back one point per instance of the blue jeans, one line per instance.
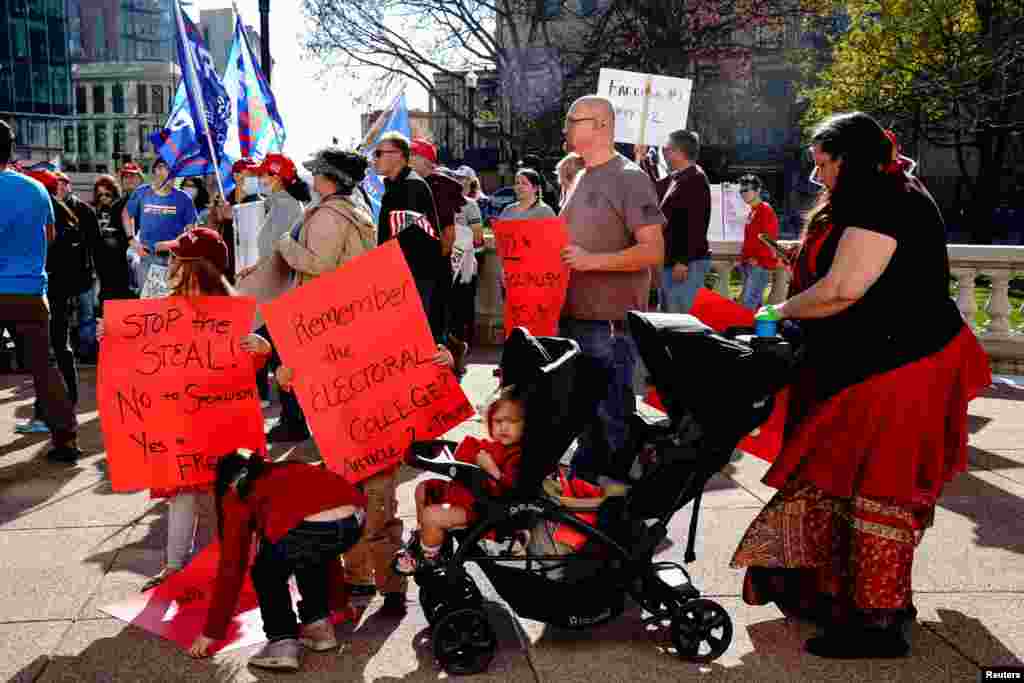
(602, 442)
(677, 297)
(754, 283)
(87, 323)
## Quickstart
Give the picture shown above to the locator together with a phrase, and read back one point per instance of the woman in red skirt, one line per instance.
(877, 421)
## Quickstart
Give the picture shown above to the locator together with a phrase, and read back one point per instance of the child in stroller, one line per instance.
(442, 505)
(560, 392)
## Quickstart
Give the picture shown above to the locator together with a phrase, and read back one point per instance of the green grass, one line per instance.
(982, 293)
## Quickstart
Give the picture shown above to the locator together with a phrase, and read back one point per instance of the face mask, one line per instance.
(252, 186)
(265, 187)
(191, 192)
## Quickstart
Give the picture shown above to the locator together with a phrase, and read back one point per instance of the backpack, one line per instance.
(69, 260)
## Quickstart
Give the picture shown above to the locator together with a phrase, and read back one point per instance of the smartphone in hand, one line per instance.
(781, 251)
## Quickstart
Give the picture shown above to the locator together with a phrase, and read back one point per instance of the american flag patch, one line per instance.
(400, 220)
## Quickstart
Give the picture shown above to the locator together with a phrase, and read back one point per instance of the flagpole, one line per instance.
(200, 104)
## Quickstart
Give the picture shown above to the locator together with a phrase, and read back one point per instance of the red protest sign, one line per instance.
(536, 279)
(359, 343)
(175, 391)
(719, 313)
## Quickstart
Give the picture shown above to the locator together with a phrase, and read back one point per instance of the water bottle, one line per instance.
(766, 322)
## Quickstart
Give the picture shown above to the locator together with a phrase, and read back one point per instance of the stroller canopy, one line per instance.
(560, 392)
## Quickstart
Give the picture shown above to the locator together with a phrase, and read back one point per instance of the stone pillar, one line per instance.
(723, 269)
(780, 285)
(965, 299)
(999, 304)
(490, 304)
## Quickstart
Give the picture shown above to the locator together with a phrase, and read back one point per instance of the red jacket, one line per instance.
(762, 221)
(277, 503)
(507, 458)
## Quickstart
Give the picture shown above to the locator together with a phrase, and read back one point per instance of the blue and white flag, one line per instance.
(394, 118)
(259, 129)
(193, 140)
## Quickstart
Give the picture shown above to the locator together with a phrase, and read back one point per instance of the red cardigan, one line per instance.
(277, 503)
(507, 458)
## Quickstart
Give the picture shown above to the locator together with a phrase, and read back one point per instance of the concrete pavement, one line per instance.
(68, 546)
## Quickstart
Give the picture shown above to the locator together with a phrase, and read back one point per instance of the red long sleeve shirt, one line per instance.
(762, 221)
(277, 503)
(507, 458)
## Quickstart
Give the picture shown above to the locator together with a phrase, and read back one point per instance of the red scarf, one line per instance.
(805, 270)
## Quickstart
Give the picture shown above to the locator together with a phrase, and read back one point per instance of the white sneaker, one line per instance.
(318, 636)
(31, 427)
(283, 655)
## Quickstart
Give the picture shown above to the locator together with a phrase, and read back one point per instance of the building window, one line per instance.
(83, 139)
(551, 9)
(743, 136)
(158, 99)
(80, 103)
(59, 82)
(117, 95)
(119, 138)
(69, 139)
(99, 100)
(20, 40)
(142, 95)
(100, 131)
(41, 88)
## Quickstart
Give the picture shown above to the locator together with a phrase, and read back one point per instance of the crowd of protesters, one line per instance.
(630, 230)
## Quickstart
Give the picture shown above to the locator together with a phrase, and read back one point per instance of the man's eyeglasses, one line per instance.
(378, 153)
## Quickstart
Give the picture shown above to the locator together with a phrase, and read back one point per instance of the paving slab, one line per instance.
(53, 502)
(50, 574)
(22, 646)
(377, 649)
(987, 628)
(766, 648)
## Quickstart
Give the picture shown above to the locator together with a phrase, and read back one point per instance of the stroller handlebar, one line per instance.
(427, 455)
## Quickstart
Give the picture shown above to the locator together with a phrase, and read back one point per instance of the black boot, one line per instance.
(865, 643)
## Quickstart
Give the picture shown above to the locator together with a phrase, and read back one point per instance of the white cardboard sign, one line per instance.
(647, 107)
(249, 219)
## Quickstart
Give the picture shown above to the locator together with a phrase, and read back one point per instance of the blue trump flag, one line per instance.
(394, 118)
(260, 129)
(193, 140)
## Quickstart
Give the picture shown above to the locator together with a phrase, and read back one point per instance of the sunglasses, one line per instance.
(378, 153)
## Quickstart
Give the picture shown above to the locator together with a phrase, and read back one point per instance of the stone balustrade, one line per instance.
(967, 261)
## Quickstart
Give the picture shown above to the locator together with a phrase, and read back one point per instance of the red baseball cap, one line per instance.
(131, 169)
(424, 149)
(244, 164)
(202, 243)
(278, 165)
(49, 179)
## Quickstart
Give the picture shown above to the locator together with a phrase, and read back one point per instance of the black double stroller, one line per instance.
(716, 389)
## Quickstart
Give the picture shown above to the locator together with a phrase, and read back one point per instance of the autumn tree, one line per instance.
(947, 72)
(563, 43)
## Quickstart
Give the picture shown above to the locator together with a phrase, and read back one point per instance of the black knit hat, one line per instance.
(347, 168)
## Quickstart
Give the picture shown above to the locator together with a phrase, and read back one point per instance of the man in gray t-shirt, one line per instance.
(615, 238)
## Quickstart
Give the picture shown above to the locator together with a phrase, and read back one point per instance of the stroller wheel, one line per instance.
(437, 596)
(464, 642)
(701, 631)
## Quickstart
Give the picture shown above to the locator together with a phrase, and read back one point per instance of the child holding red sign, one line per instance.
(442, 505)
(197, 269)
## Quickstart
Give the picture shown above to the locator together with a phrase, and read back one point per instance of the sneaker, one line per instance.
(31, 427)
(318, 636)
(155, 581)
(283, 655)
(66, 454)
(283, 432)
(394, 605)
